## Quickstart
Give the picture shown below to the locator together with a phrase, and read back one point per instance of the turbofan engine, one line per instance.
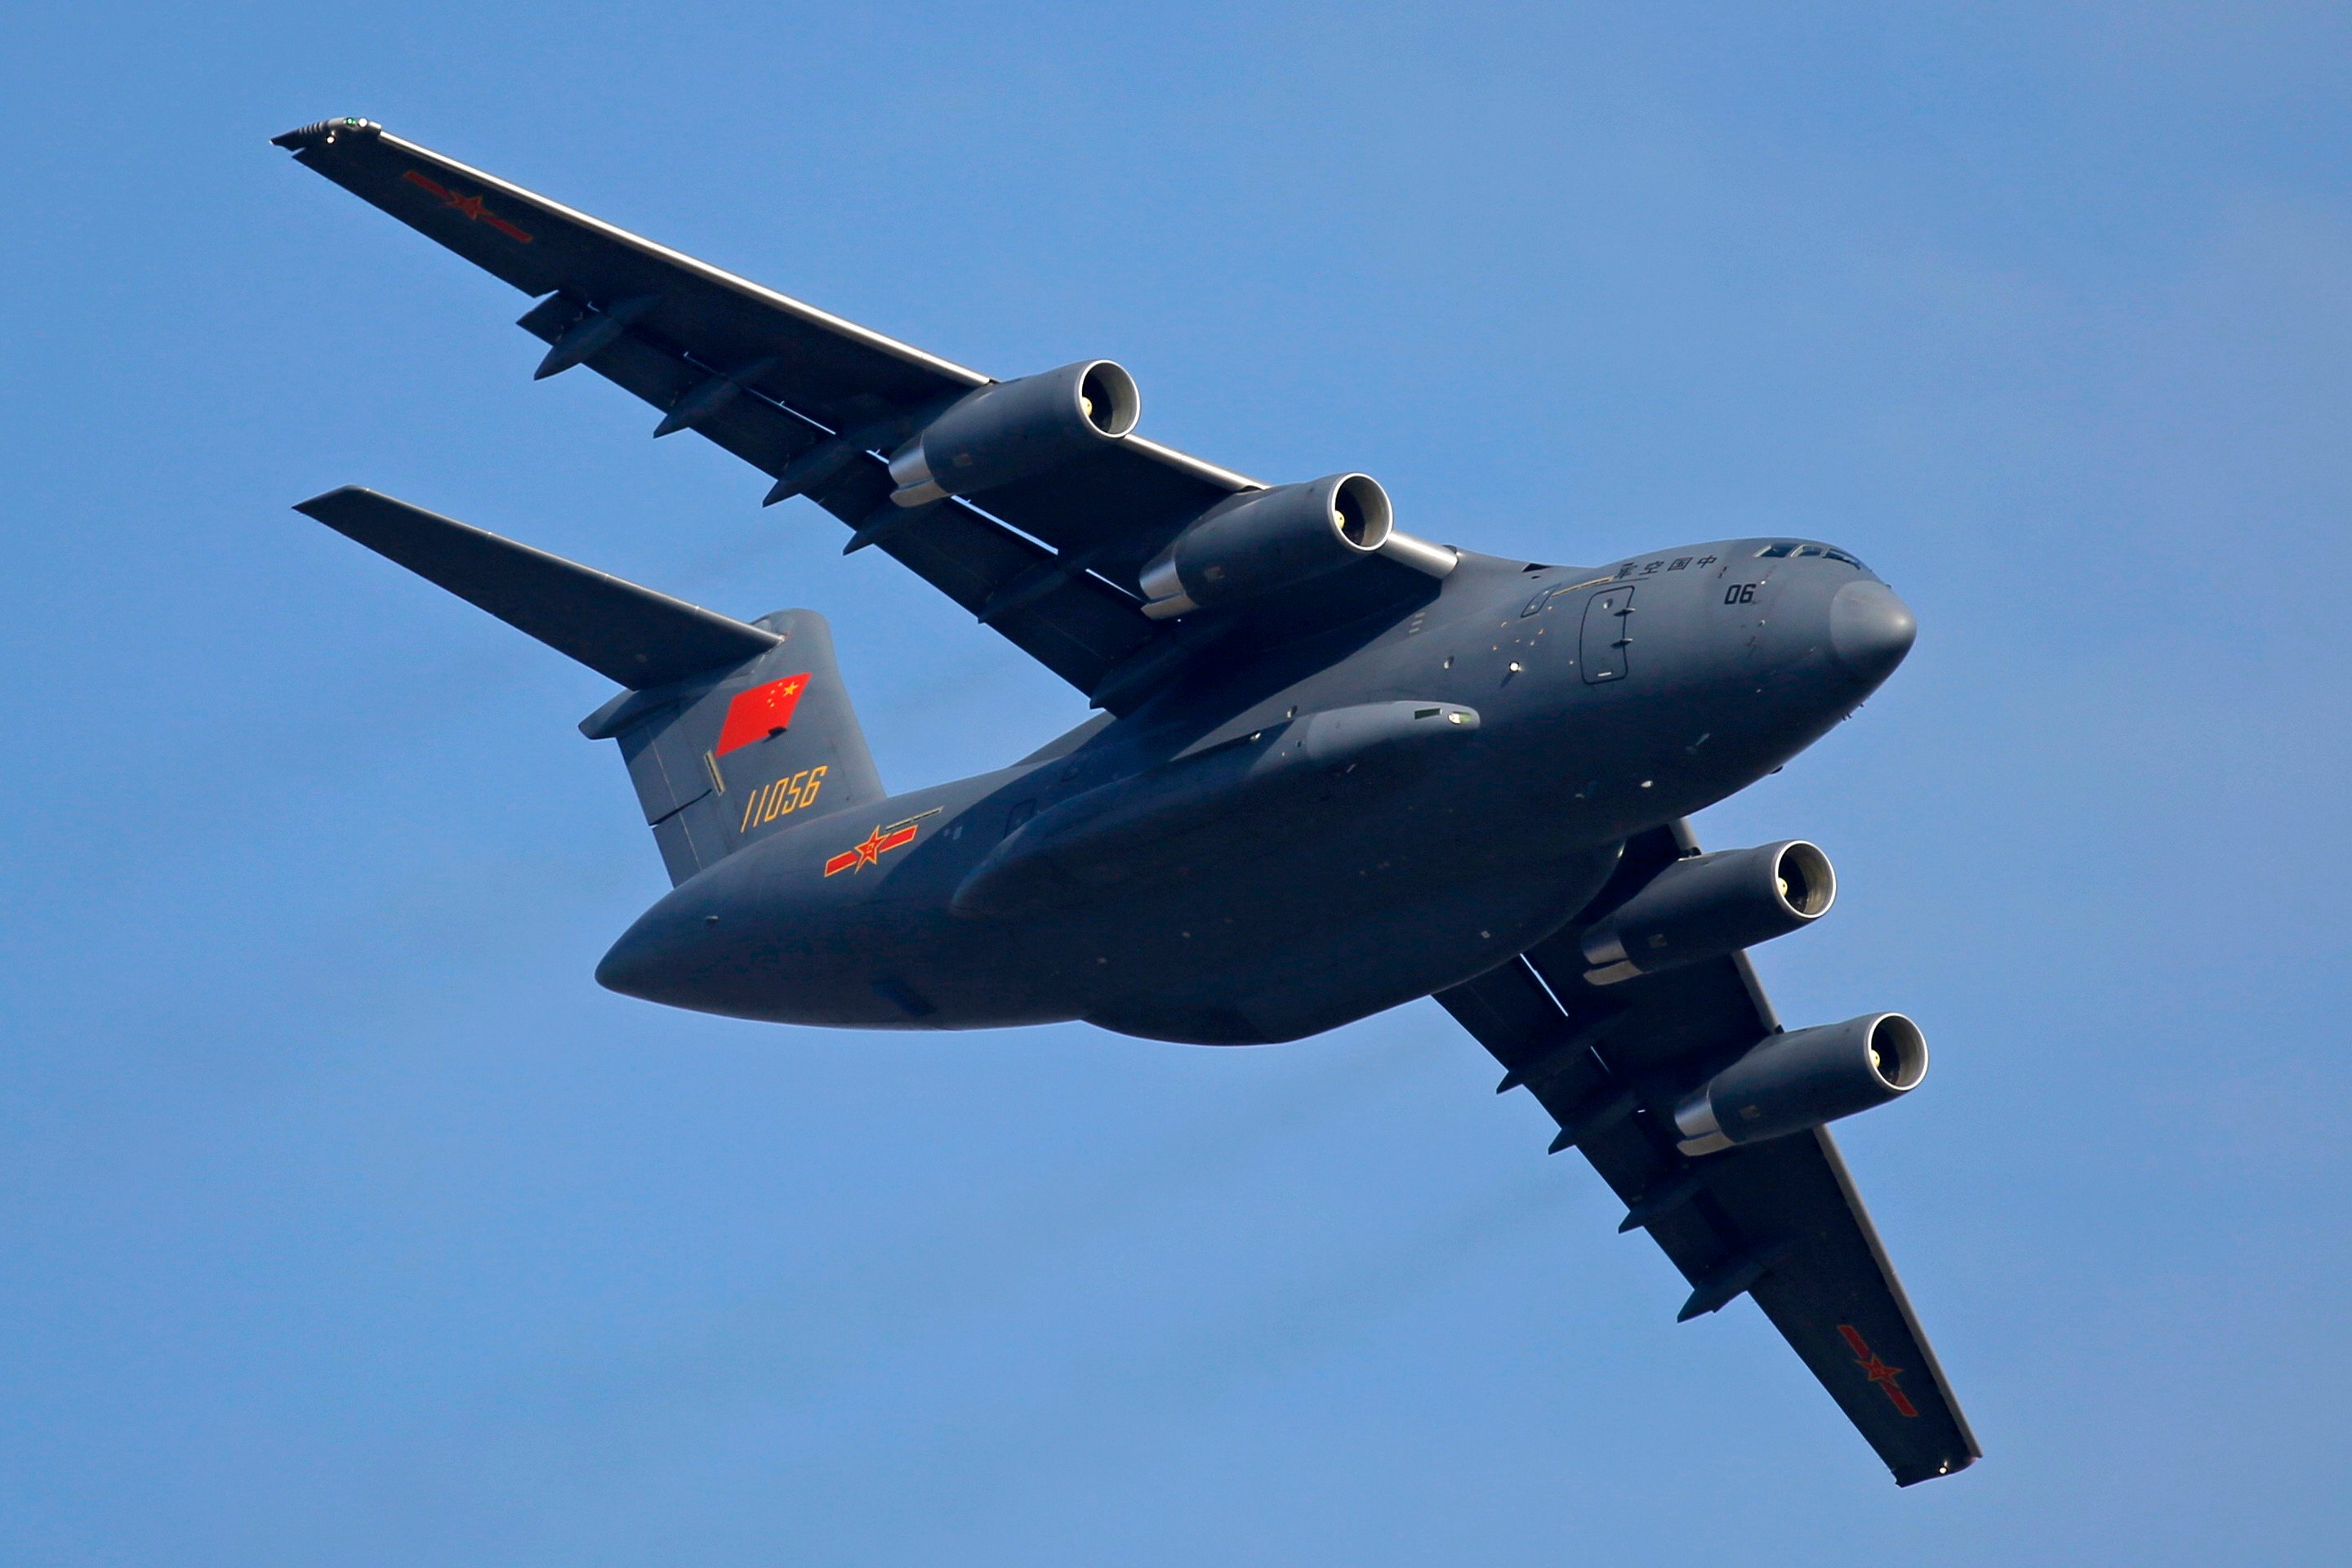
(1802, 1078)
(1710, 905)
(1265, 540)
(1009, 430)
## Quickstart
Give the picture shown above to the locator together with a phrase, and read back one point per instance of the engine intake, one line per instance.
(1798, 1081)
(1710, 905)
(1010, 430)
(1263, 539)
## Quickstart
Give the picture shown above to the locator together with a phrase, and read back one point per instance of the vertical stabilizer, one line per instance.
(725, 758)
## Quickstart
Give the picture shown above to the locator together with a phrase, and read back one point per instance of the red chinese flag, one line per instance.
(763, 712)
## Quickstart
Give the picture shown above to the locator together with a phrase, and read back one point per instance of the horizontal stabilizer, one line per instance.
(631, 634)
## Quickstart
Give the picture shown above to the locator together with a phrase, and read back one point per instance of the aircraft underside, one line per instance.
(1237, 937)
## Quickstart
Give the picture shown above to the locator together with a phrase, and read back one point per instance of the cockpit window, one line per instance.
(1787, 548)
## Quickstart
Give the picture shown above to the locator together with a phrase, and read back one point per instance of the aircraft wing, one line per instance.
(1779, 1220)
(810, 398)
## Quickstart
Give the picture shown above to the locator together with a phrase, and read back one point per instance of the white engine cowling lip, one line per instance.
(1349, 511)
(1703, 1128)
(1103, 401)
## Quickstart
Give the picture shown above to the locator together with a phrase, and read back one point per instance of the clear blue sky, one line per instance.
(344, 1220)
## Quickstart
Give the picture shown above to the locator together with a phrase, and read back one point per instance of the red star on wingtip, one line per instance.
(1877, 1371)
(470, 205)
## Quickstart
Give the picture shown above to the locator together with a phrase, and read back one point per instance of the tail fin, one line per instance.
(728, 729)
(725, 757)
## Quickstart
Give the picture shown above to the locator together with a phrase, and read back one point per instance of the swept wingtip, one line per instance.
(326, 501)
(1912, 1477)
(322, 133)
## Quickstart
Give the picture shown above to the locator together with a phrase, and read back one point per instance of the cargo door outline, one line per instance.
(1606, 635)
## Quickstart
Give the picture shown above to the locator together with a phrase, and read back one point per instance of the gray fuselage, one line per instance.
(1237, 899)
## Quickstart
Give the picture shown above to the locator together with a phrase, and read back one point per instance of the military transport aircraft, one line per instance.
(1336, 767)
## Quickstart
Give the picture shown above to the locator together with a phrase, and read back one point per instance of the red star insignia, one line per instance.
(470, 205)
(1877, 1371)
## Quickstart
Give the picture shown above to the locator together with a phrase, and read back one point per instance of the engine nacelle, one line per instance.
(1263, 539)
(1710, 905)
(1795, 1081)
(1009, 430)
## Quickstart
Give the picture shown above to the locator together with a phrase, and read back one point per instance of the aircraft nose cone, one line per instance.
(1870, 630)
